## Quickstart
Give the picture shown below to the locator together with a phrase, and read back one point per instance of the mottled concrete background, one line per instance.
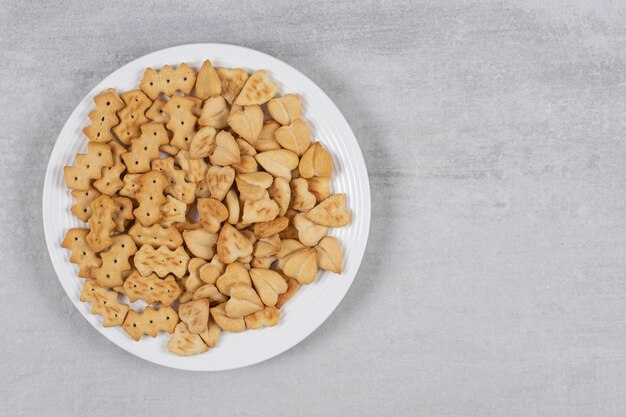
(494, 282)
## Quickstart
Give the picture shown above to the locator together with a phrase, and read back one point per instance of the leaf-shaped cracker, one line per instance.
(267, 317)
(288, 246)
(279, 162)
(247, 123)
(162, 261)
(82, 254)
(104, 302)
(168, 80)
(211, 293)
(208, 84)
(185, 343)
(210, 272)
(214, 113)
(296, 137)
(231, 244)
(233, 206)
(88, 166)
(233, 80)
(102, 223)
(219, 180)
(150, 322)
(258, 89)
(145, 148)
(285, 109)
(203, 143)
(132, 115)
(151, 289)
(266, 246)
(331, 212)
(104, 116)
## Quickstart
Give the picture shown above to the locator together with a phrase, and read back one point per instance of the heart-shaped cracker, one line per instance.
(88, 166)
(178, 186)
(267, 137)
(200, 243)
(233, 206)
(247, 165)
(288, 246)
(82, 254)
(208, 84)
(290, 231)
(211, 293)
(212, 214)
(226, 150)
(104, 116)
(233, 80)
(265, 263)
(331, 212)
(150, 197)
(210, 272)
(301, 198)
(195, 169)
(195, 314)
(203, 143)
(309, 232)
(115, 265)
(156, 236)
(226, 323)
(269, 228)
(320, 187)
(162, 261)
(215, 113)
(211, 334)
(168, 80)
(266, 246)
(145, 148)
(243, 301)
(268, 317)
(258, 89)
(247, 123)
(219, 180)
(296, 137)
(104, 302)
(316, 162)
(231, 245)
(268, 284)
(279, 162)
(234, 274)
(185, 343)
(102, 223)
(330, 255)
(252, 186)
(301, 265)
(262, 210)
(151, 289)
(292, 286)
(285, 109)
(280, 191)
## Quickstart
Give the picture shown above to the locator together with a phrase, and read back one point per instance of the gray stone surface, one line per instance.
(494, 281)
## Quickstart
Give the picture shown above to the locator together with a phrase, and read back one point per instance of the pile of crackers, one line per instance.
(206, 198)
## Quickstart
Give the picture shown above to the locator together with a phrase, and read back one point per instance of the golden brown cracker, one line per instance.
(115, 265)
(168, 80)
(150, 322)
(82, 254)
(88, 166)
(132, 115)
(103, 118)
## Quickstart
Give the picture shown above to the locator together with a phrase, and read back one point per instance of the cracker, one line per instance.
(285, 109)
(266, 246)
(309, 232)
(316, 162)
(156, 236)
(162, 261)
(212, 214)
(132, 115)
(104, 116)
(185, 343)
(150, 322)
(124, 213)
(265, 263)
(247, 123)
(267, 138)
(210, 272)
(219, 180)
(195, 169)
(292, 286)
(288, 246)
(280, 191)
(151, 289)
(145, 148)
(182, 121)
(173, 212)
(226, 151)
(330, 255)
(301, 198)
(269, 228)
(262, 210)
(278, 162)
(104, 302)
(258, 89)
(110, 182)
(82, 254)
(82, 208)
(233, 206)
(151, 197)
(243, 301)
(301, 265)
(296, 137)
(211, 293)
(208, 83)
(195, 314)
(88, 166)
(214, 113)
(156, 112)
(115, 265)
(253, 186)
(234, 274)
(203, 143)
(268, 285)
(212, 334)
(168, 80)
(233, 80)
(231, 244)
(218, 313)
(268, 317)
(331, 212)
(200, 243)
(131, 185)
(178, 186)
(320, 187)
(102, 223)
(290, 231)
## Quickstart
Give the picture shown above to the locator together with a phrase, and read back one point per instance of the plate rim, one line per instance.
(365, 214)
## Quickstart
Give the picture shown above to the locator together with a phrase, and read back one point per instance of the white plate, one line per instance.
(312, 304)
